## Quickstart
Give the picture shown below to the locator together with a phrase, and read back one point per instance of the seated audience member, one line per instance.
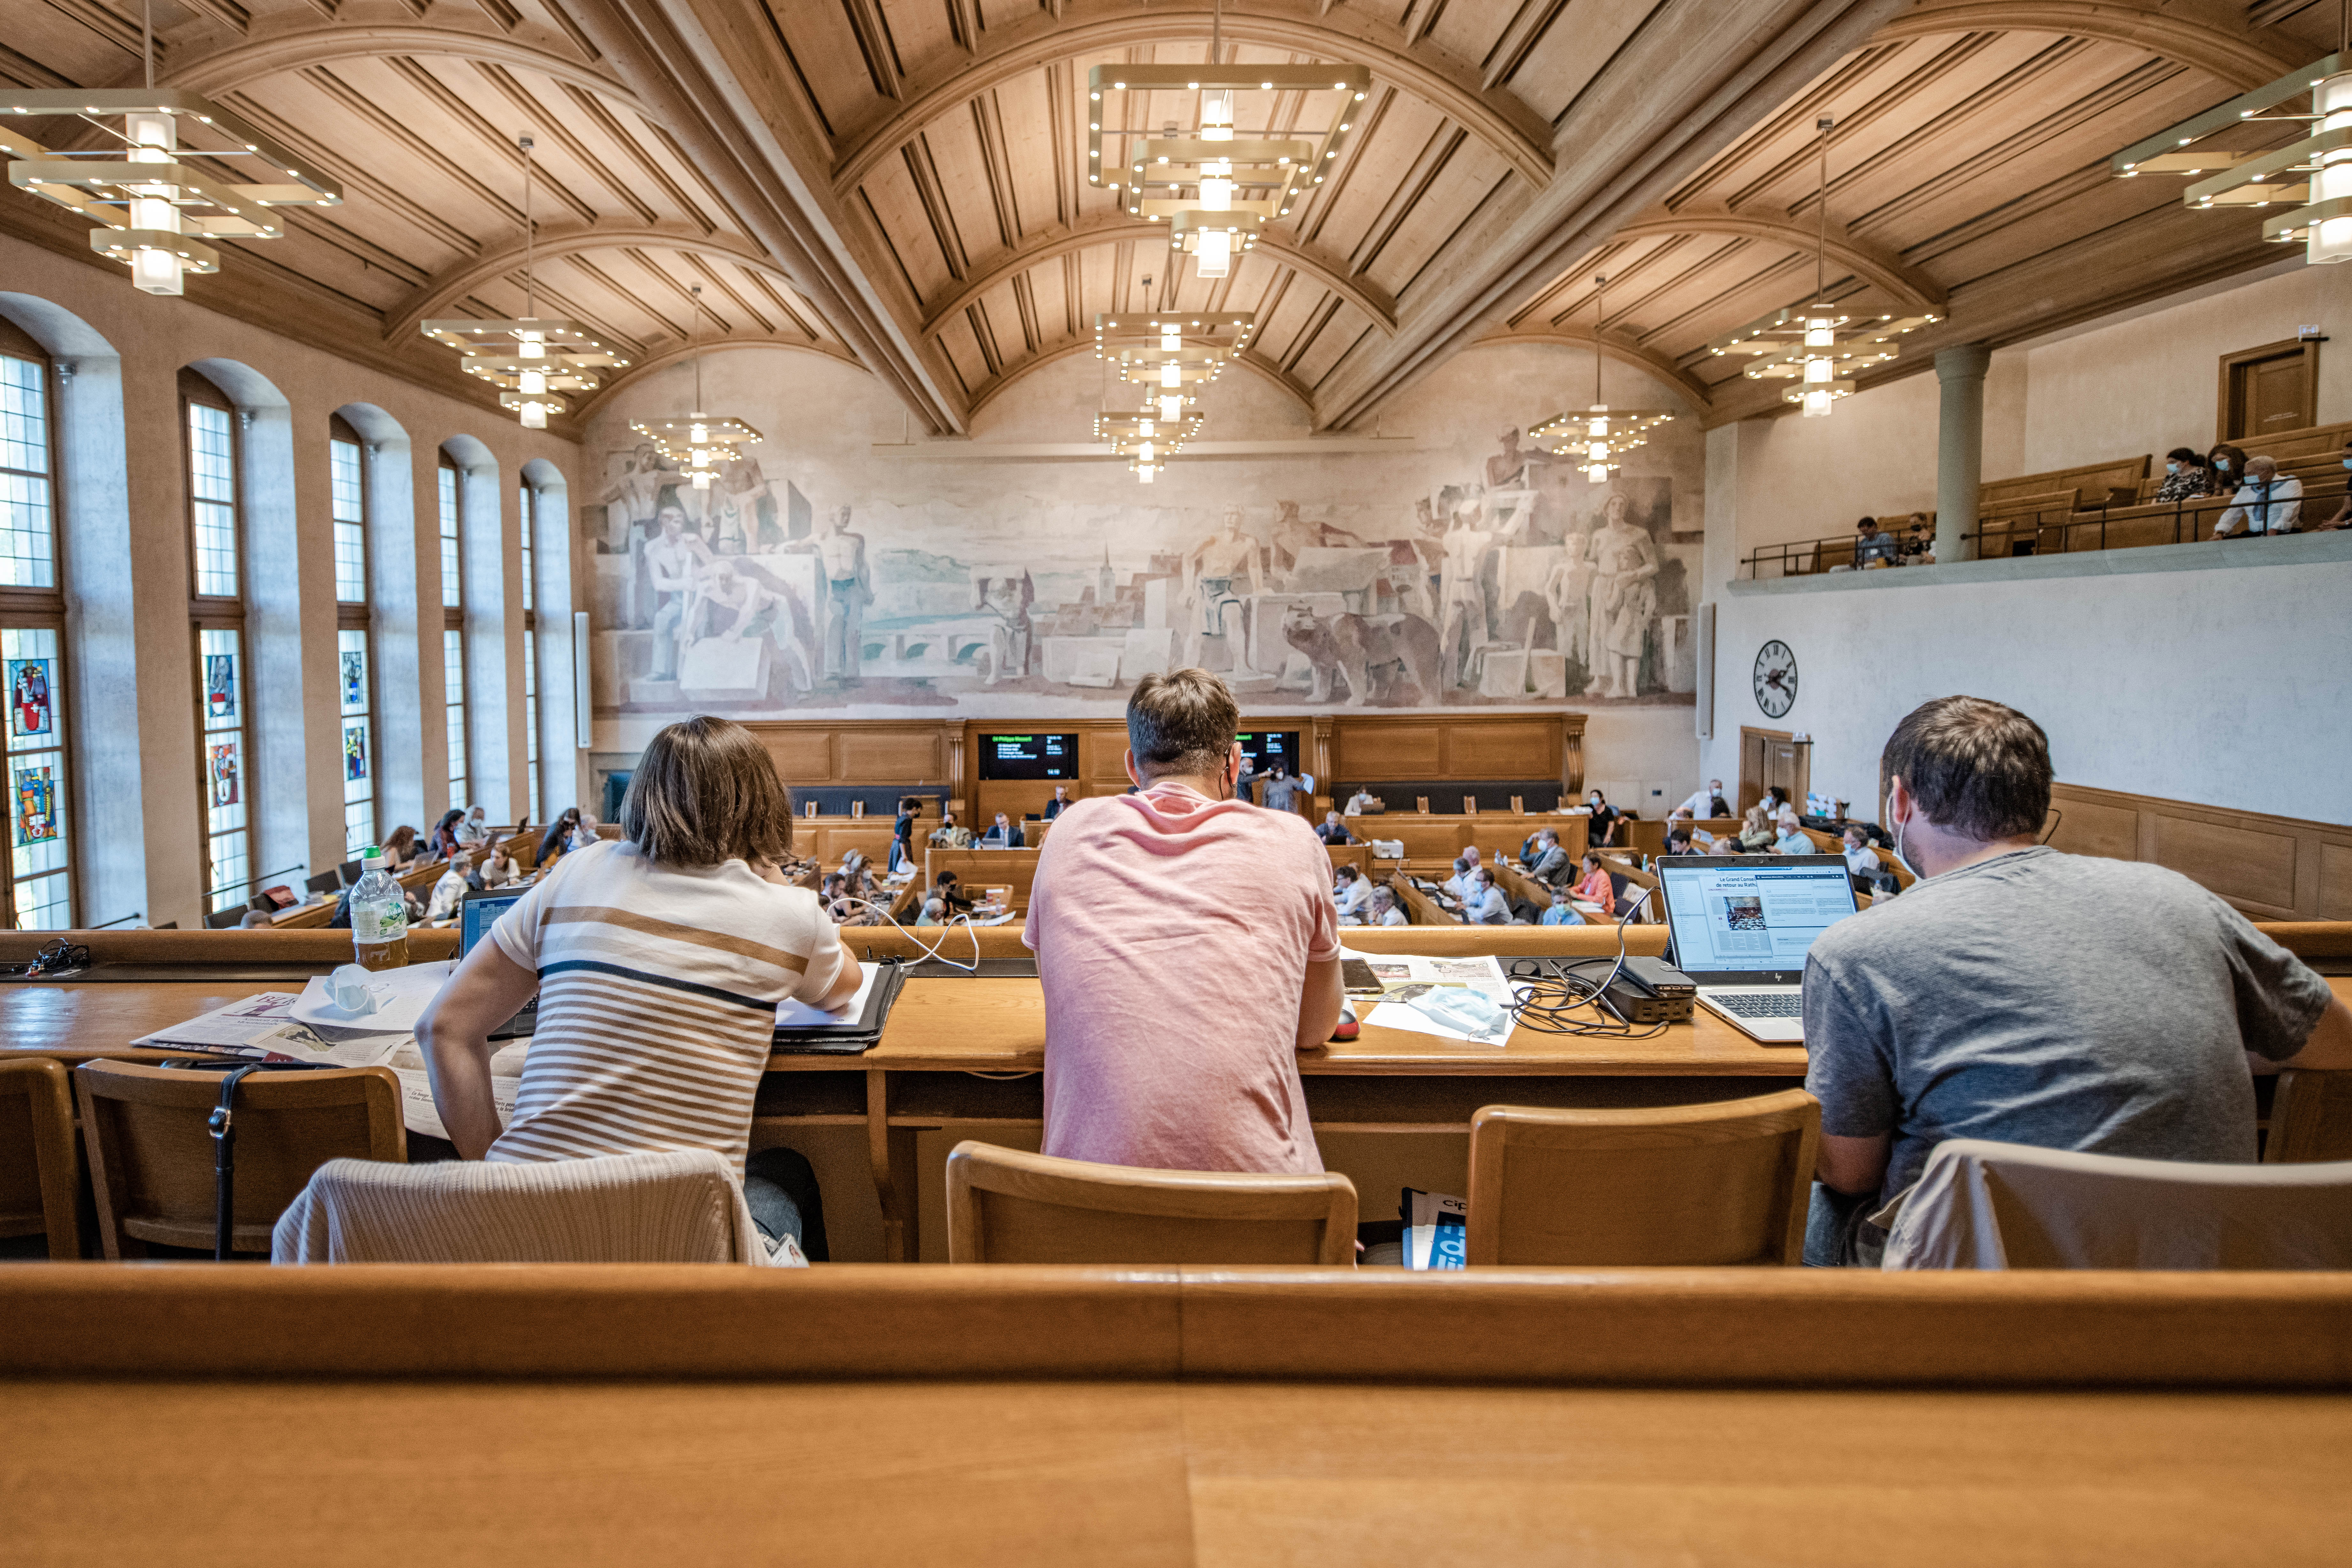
(451, 890)
(1918, 544)
(1776, 801)
(1352, 893)
(2342, 517)
(934, 912)
(1334, 830)
(948, 835)
(444, 841)
(1362, 801)
(1059, 804)
(829, 889)
(256, 920)
(1793, 838)
(1859, 858)
(1951, 1013)
(496, 870)
(585, 833)
(1486, 904)
(400, 850)
(1133, 918)
(1002, 835)
(658, 960)
(2225, 469)
(1680, 842)
(2186, 477)
(558, 836)
(1457, 886)
(1382, 909)
(1873, 544)
(1756, 833)
(474, 831)
(949, 890)
(1606, 818)
(2265, 503)
(1545, 860)
(1594, 886)
(1561, 913)
(1707, 802)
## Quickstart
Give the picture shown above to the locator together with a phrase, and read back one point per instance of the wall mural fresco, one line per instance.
(1476, 573)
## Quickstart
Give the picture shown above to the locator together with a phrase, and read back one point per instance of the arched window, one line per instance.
(453, 627)
(38, 892)
(212, 429)
(527, 529)
(354, 670)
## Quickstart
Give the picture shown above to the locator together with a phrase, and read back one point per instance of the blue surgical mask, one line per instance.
(2348, 462)
(2223, 464)
(2175, 468)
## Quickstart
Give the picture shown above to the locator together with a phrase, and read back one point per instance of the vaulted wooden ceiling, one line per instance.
(901, 184)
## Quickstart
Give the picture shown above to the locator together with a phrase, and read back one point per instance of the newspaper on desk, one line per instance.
(1412, 986)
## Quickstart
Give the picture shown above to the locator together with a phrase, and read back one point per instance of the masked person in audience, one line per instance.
(1486, 904)
(934, 912)
(1707, 802)
(2265, 503)
(1793, 838)
(948, 889)
(1382, 909)
(1919, 550)
(558, 836)
(584, 833)
(1175, 1012)
(2020, 995)
(1543, 858)
(2186, 477)
(1457, 886)
(1606, 819)
(2342, 516)
(474, 829)
(1594, 886)
(658, 959)
(902, 836)
(452, 889)
(1281, 789)
(1362, 801)
(2225, 468)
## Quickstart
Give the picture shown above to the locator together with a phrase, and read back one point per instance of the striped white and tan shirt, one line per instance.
(657, 993)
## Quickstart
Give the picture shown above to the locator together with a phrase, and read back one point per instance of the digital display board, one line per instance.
(1261, 750)
(1034, 756)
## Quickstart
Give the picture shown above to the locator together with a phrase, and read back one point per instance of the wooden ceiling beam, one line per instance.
(454, 284)
(226, 70)
(681, 352)
(995, 386)
(1886, 271)
(1307, 262)
(2240, 59)
(1496, 117)
(1617, 348)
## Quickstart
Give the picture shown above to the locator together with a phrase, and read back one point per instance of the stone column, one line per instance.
(1960, 448)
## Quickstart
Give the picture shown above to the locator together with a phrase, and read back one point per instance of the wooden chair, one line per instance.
(1676, 1186)
(2311, 1118)
(1421, 804)
(1469, 805)
(1007, 1207)
(36, 1156)
(150, 1155)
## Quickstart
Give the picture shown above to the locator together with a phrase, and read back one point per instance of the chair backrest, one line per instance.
(2311, 1118)
(150, 1155)
(36, 1156)
(1678, 1186)
(678, 1207)
(324, 883)
(1983, 1205)
(349, 871)
(1421, 804)
(1008, 1206)
(221, 920)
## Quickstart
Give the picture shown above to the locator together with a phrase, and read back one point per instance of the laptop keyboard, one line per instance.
(1758, 1004)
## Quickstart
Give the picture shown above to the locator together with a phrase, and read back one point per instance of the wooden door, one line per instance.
(2270, 390)
(1769, 757)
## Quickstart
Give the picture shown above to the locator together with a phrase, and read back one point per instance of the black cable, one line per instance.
(1547, 991)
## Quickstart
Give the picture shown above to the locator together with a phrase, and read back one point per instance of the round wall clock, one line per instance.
(1776, 679)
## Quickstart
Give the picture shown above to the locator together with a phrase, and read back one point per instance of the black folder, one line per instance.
(850, 1037)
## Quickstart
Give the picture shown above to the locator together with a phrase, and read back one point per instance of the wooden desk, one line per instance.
(1163, 1419)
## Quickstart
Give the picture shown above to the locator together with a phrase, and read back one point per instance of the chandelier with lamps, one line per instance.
(1599, 436)
(532, 360)
(1169, 353)
(1818, 345)
(699, 441)
(155, 210)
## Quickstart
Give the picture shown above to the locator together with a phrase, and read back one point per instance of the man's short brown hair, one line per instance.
(706, 790)
(1977, 768)
(1181, 723)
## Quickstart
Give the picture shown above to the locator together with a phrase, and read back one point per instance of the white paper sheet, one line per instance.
(418, 1112)
(801, 1016)
(1406, 975)
(259, 1028)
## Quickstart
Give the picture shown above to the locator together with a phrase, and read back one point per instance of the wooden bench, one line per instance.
(561, 1415)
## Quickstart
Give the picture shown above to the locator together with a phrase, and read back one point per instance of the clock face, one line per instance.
(1776, 679)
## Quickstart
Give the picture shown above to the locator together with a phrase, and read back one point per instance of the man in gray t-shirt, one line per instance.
(2029, 996)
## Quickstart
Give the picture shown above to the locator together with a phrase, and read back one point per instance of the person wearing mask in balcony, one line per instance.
(2267, 502)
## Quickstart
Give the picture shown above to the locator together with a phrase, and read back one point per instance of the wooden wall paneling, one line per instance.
(1375, 749)
(2277, 868)
(1503, 748)
(913, 754)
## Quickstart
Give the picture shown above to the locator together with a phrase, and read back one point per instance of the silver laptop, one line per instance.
(1741, 926)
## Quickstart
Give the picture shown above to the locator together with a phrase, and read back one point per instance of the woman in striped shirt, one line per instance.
(658, 959)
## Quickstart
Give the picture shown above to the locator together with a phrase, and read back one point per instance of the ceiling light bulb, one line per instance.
(1170, 407)
(1170, 339)
(534, 382)
(2330, 240)
(1145, 451)
(532, 347)
(1217, 116)
(1597, 426)
(1144, 428)
(702, 480)
(698, 433)
(534, 415)
(1817, 371)
(1217, 188)
(1143, 473)
(1172, 374)
(1215, 256)
(1817, 402)
(1818, 334)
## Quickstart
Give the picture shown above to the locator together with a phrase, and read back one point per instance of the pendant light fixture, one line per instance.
(2311, 175)
(532, 360)
(154, 211)
(1599, 437)
(1167, 353)
(700, 442)
(1818, 345)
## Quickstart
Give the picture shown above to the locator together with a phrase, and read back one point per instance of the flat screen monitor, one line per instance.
(1029, 756)
(1261, 749)
(1752, 916)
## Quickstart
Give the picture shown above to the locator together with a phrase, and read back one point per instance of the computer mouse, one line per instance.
(1347, 1028)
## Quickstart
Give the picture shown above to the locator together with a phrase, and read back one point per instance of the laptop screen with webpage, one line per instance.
(1751, 918)
(478, 913)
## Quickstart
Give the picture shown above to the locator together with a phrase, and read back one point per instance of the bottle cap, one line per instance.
(372, 859)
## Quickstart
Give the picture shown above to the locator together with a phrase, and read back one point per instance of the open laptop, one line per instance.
(477, 913)
(1741, 926)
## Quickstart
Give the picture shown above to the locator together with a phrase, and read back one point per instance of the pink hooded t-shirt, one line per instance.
(1172, 935)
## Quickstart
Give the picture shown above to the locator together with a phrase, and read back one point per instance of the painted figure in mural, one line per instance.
(1210, 571)
(633, 499)
(734, 511)
(849, 588)
(1006, 593)
(1624, 599)
(1511, 468)
(670, 565)
(1366, 650)
(1464, 592)
(726, 602)
(1292, 534)
(1568, 592)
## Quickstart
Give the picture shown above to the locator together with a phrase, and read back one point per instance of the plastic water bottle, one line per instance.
(379, 916)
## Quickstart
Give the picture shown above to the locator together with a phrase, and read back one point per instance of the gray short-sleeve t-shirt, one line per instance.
(2062, 1001)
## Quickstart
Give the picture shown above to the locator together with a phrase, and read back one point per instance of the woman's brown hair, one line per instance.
(706, 790)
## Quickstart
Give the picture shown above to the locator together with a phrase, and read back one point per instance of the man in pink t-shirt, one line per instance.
(1189, 950)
